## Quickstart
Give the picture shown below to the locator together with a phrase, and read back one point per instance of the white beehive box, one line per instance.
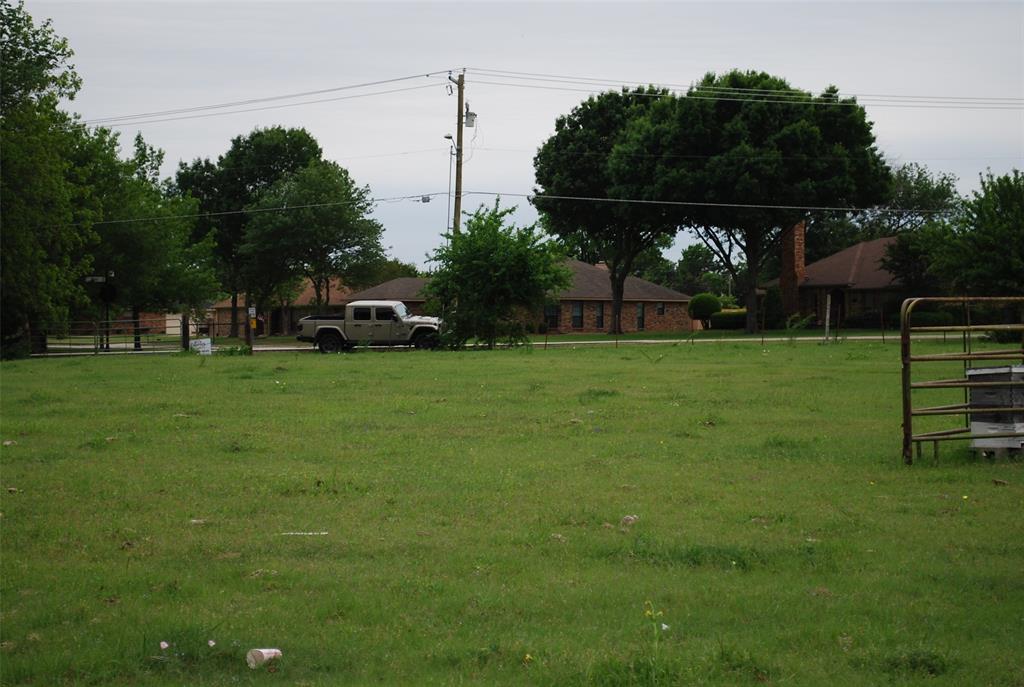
(997, 397)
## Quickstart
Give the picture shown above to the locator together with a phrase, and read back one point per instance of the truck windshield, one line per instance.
(401, 310)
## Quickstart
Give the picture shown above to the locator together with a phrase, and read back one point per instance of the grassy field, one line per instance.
(472, 507)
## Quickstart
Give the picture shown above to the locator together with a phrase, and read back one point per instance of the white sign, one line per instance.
(252, 313)
(201, 346)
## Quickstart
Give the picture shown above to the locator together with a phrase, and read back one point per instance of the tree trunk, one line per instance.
(249, 333)
(233, 330)
(136, 327)
(618, 288)
(751, 299)
(318, 299)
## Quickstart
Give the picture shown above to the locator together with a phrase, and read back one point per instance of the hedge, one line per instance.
(729, 319)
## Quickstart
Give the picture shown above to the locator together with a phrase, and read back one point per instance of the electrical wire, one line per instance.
(743, 206)
(741, 157)
(528, 196)
(1001, 100)
(269, 107)
(806, 101)
(282, 208)
(251, 101)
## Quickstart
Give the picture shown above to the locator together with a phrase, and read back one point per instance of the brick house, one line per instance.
(409, 290)
(854, 279)
(280, 320)
(585, 306)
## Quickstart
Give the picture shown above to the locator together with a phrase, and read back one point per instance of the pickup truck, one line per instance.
(374, 323)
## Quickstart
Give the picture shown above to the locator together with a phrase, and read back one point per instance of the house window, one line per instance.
(639, 317)
(577, 314)
(552, 314)
(600, 316)
(360, 313)
(661, 309)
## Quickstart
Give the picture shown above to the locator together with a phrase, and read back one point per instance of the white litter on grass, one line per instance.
(303, 534)
(257, 657)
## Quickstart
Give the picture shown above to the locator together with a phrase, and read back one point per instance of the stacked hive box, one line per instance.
(998, 397)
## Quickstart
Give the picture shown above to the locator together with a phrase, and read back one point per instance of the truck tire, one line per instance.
(426, 341)
(330, 342)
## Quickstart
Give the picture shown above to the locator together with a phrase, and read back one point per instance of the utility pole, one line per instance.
(461, 83)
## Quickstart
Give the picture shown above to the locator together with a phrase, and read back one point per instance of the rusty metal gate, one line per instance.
(970, 351)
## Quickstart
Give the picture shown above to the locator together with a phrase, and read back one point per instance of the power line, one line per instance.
(251, 101)
(270, 107)
(527, 196)
(741, 157)
(282, 208)
(749, 206)
(806, 101)
(557, 78)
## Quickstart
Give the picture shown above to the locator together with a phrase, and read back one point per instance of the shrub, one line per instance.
(729, 319)
(703, 306)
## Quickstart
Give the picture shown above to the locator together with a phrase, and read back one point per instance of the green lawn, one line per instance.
(472, 505)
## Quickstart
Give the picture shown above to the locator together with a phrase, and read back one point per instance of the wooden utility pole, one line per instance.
(456, 220)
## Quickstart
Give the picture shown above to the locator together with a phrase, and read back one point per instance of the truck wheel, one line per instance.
(330, 342)
(426, 340)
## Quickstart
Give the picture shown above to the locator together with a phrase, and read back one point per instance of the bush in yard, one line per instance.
(489, 275)
(703, 306)
(729, 319)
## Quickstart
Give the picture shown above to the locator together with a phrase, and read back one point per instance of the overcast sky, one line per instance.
(142, 57)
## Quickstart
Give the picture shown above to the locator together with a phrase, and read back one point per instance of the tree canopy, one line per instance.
(45, 226)
(71, 205)
(576, 190)
(326, 232)
(977, 250)
(491, 276)
(742, 156)
(250, 167)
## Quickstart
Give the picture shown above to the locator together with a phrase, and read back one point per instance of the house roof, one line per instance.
(339, 296)
(589, 282)
(856, 267)
(405, 289)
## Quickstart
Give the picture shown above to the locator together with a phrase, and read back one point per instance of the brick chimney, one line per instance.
(793, 267)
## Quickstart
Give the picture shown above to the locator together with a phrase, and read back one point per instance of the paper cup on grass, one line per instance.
(257, 657)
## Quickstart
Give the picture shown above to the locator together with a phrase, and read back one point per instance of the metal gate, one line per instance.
(969, 352)
(92, 337)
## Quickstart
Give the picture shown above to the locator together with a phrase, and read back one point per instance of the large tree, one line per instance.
(986, 255)
(144, 246)
(326, 232)
(250, 167)
(46, 222)
(491, 276)
(576, 194)
(977, 251)
(741, 156)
